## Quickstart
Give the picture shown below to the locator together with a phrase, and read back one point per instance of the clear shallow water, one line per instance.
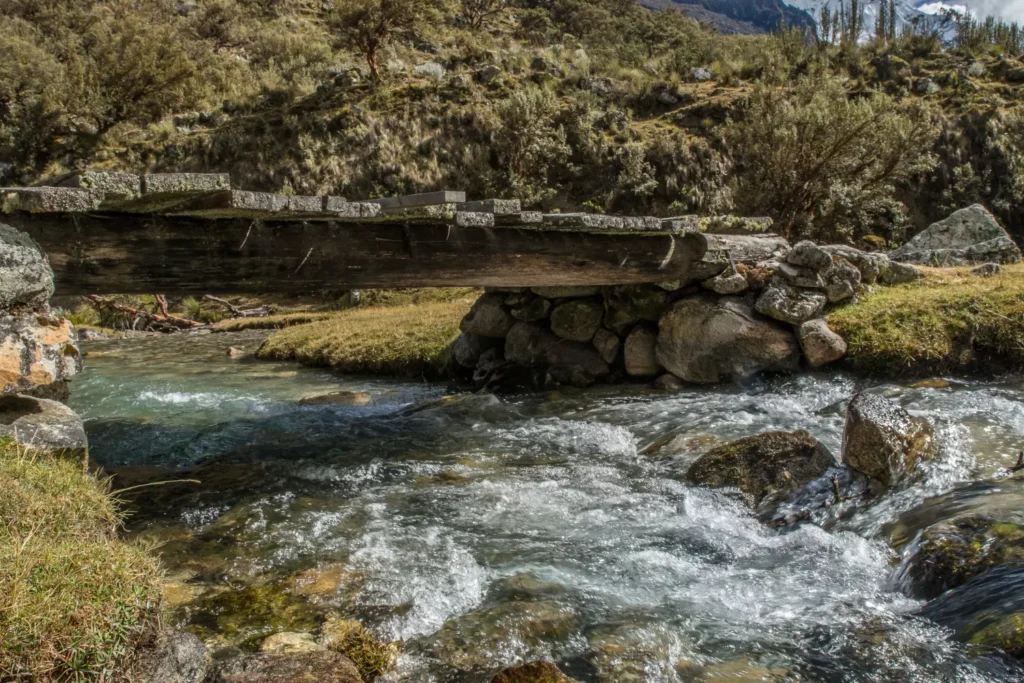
(485, 531)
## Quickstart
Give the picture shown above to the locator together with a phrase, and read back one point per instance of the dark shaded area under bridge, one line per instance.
(191, 234)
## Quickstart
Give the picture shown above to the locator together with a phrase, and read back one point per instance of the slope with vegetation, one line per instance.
(596, 104)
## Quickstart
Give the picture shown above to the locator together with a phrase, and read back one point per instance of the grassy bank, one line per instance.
(949, 321)
(392, 340)
(74, 600)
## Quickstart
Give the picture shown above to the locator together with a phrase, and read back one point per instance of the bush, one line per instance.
(74, 600)
(530, 142)
(825, 164)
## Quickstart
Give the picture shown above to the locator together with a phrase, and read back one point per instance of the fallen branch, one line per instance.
(147, 320)
(236, 312)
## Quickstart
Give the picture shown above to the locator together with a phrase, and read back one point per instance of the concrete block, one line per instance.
(584, 221)
(184, 183)
(50, 199)
(425, 199)
(474, 219)
(112, 184)
(499, 207)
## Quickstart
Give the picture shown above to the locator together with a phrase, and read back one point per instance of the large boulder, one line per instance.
(43, 425)
(641, 352)
(577, 320)
(707, 339)
(970, 235)
(488, 317)
(36, 350)
(949, 554)
(530, 345)
(790, 304)
(174, 657)
(767, 467)
(25, 276)
(885, 442)
(820, 344)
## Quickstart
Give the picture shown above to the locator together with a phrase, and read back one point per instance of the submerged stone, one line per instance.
(534, 672)
(339, 398)
(766, 467)
(290, 644)
(321, 667)
(949, 554)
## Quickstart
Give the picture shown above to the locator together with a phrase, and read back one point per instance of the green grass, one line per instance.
(948, 321)
(398, 340)
(74, 600)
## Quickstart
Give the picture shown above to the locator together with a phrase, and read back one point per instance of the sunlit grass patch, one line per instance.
(397, 340)
(270, 322)
(950, 320)
(74, 600)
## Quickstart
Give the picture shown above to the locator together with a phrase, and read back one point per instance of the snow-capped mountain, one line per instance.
(925, 13)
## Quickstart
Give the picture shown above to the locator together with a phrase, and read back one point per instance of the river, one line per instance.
(485, 531)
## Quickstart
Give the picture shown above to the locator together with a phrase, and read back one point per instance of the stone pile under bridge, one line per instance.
(188, 233)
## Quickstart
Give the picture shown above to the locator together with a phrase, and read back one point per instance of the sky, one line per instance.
(1010, 10)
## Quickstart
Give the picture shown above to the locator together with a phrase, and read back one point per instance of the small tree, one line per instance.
(475, 12)
(370, 26)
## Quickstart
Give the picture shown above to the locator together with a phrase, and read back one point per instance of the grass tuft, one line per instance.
(400, 340)
(74, 600)
(948, 321)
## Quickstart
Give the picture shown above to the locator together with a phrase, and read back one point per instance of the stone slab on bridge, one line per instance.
(192, 234)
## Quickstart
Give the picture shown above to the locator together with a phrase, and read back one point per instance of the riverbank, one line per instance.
(953, 320)
(76, 601)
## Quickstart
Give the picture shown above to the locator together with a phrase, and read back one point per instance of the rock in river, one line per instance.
(174, 657)
(949, 554)
(707, 339)
(766, 467)
(885, 442)
(534, 672)
(321, 667)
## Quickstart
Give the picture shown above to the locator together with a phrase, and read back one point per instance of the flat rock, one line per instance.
(26, 279)
(184, 183)
(111, 183)
(534, 672)
(885, 442)
(174, 657)
(290, 644)
(707, 339)
(44, 425)
(727, 283)
(51, 200)
(967, 236)
(767, 467)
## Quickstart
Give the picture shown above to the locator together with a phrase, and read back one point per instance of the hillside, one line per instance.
(594, 104)
(739, 16)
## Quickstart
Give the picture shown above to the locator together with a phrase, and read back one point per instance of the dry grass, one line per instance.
(74, 600)
(400, 340)
(948, 321)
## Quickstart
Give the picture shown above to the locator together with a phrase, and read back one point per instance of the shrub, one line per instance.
(530, 141)
(824, 164)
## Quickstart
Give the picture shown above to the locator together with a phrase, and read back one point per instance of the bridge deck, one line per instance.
(190, 233)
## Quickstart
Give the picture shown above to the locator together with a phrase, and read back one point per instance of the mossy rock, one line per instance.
(766, 467)
(950, 554)
(350, 638)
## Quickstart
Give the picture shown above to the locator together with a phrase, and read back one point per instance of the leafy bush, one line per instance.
(826, 164)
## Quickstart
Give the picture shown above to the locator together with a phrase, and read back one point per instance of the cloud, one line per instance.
(1010, 10)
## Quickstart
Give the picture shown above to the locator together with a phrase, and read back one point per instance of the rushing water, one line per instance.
(486, 531)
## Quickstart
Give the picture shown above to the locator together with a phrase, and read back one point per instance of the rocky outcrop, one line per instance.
(949, 554)
(767, 467)
(885, 442)
(706, 340)
(36, 349)
(968, 236)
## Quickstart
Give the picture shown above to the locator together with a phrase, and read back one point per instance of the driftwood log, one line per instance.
(141, 318)
(236, 312)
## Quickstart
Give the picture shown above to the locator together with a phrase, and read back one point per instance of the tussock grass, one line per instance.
(400, 340)
(948, 321)
(74, 600)
(270, 322)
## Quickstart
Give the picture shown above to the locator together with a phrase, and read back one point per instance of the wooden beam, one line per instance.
(114, 254)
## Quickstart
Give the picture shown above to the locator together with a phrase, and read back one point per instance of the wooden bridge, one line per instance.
(191, 234)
